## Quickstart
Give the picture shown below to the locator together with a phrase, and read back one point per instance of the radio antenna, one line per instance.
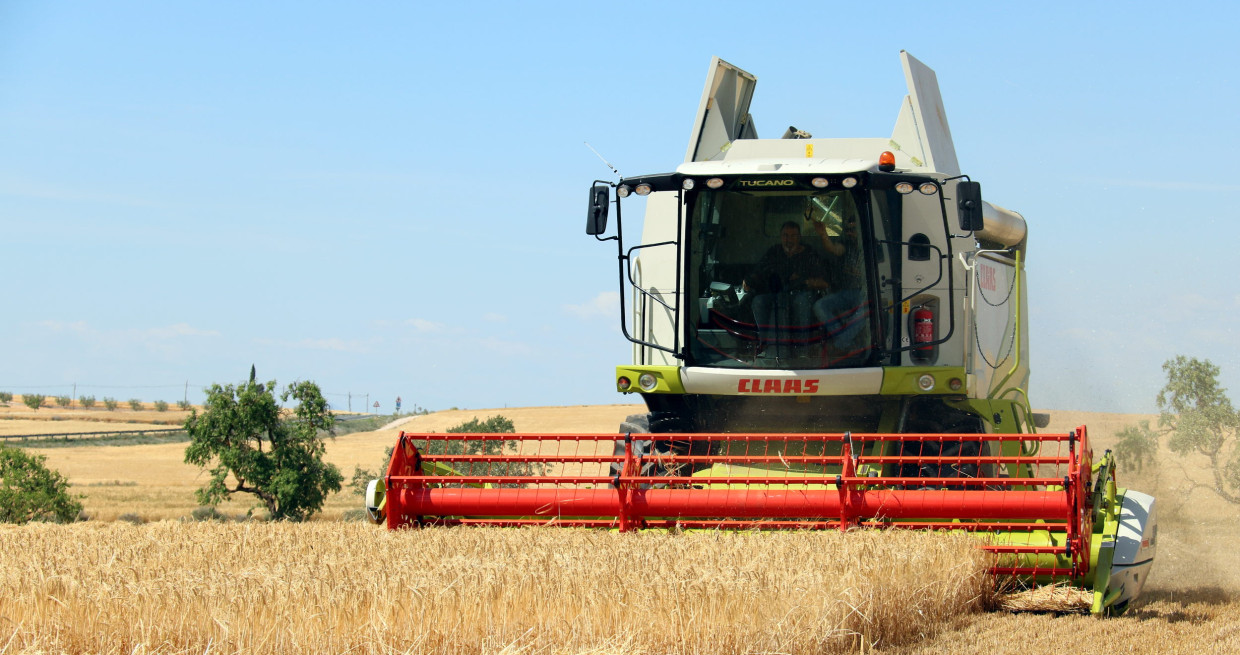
(613, 168)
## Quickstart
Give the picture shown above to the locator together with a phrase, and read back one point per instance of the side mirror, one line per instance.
(969, 206)
(596, 214)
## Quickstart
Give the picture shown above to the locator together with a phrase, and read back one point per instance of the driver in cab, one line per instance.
(783, 283)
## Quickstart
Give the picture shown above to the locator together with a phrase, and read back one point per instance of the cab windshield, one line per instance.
(779, 280)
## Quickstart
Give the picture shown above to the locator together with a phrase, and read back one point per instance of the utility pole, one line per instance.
(350, 402)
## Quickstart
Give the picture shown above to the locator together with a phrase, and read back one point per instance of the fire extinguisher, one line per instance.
(923, 327)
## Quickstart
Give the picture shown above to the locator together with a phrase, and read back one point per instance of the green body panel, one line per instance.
(1001, 415)
(725, 470)
(902, 380)
(667, 377)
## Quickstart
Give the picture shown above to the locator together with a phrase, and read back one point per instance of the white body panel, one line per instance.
(723, 113)
(724, 131)
(921, 131)
(1135, 546)
(857, 381)
(998, 340)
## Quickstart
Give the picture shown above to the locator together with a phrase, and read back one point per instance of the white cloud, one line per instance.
(21, 187)
(505, 347)
(165, 342)
(76, 327)
(176, 330)
(333, 344)
(1167, 185)
(1179, 305)
(604, 305)
(423, 325)
(83, 329)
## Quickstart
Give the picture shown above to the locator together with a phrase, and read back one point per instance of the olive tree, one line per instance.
(1201, 420)
(29, 491)
(253, 447)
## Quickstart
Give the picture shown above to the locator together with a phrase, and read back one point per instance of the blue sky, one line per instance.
(388, 198)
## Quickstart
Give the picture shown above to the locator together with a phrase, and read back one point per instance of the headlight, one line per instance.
(643, 189)
(687, 184)
(904, 188)
(623, 191)
(926, 382)
(928, 188)
(820, 182)
(624, 384)
(647, 382)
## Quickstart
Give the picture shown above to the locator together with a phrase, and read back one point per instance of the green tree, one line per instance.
(64, 401)
(1202, 420)
(33, 400)
(87, 401)
(1137, 446)
(242, 433)
(29, 491)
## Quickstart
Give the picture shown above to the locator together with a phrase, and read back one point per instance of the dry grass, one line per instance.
(318, 587)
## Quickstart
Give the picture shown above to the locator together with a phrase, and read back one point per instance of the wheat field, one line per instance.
(327, 586)
(321, 587)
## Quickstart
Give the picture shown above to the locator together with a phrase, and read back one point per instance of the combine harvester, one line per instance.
(828, 334)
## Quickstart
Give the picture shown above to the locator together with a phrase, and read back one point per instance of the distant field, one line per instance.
(153, 482)
(1191, 603)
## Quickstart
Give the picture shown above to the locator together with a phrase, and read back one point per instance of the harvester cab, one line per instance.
(827, 333)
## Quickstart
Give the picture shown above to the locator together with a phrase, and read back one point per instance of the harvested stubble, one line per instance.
(330, 587)
(1047, 598)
